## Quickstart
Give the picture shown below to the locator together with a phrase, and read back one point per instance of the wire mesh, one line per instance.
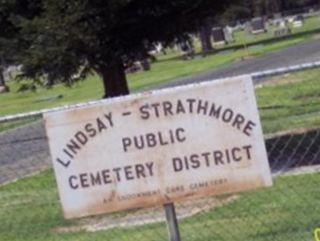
(289, 107)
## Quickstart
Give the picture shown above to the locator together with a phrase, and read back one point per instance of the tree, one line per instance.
(235, 13)
(205, 35)
(71, 37)
(296, 4)
(11, 43)
(2, 82)
(7, 33)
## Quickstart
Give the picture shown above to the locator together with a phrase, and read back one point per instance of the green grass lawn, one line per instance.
(16, 123)
(243, 37)
(290, 101)
(30, 210)
(166, 69)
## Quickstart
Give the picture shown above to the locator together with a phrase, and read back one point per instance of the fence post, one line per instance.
(172, 222)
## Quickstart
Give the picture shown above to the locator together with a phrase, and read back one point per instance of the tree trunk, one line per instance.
(205, 38)
(2, 82)
(3, 87)
(2, 67)
(114, 80)
(276, 6)
(257, 8)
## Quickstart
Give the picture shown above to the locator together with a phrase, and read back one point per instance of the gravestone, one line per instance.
(298, 21)
(228, 33)
(277, 16)
(186, 48)
(218, 35)
(282, 29)
(4, 89)
(279, 22)
(258, 26)
(283, 24)
(299, 18)
(282, 32)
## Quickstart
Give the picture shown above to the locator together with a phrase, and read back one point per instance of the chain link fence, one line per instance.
(289, 106)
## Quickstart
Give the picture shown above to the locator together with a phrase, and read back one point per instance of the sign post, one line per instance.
(172, 222)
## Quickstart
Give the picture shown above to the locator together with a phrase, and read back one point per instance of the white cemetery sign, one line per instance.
(156, 148)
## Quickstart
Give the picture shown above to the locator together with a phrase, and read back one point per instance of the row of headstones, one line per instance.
(256, 26)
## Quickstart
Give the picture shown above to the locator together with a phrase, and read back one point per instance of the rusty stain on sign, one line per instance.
(156, 148)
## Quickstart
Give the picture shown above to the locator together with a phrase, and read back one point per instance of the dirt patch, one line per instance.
(145, 216)
(299, 171)
(316, 37)
(281, 80)
(246, 57)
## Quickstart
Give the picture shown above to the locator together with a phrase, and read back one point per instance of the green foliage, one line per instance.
(69, 37)
(12, 43)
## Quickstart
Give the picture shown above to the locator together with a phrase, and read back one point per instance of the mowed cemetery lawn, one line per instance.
(166, 69)
(290, 101)
(30, 210)
(242, 36)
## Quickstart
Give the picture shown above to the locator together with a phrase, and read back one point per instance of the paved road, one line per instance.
(297, 54)
(25, 150)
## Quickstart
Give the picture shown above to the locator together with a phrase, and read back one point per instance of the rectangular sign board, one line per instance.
(156, 148)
